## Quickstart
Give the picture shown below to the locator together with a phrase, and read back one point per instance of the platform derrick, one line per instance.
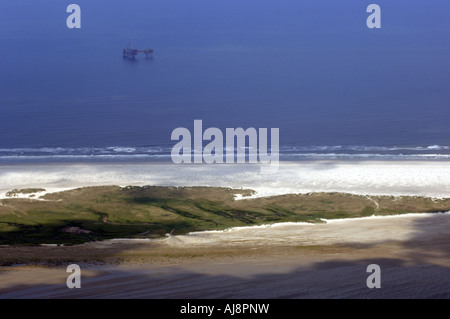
(130, 51)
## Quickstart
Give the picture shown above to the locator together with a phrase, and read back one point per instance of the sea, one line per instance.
(312, 68)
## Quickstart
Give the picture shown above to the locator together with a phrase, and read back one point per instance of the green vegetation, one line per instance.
(94, 213)
(25, 191)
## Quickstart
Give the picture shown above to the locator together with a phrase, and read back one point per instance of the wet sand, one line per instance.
(281, 261)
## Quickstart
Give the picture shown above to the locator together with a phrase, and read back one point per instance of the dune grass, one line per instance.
(151, 212)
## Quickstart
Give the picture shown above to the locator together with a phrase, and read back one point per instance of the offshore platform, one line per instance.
(130, 52)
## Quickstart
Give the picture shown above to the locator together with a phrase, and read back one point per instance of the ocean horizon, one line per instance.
(333, 87)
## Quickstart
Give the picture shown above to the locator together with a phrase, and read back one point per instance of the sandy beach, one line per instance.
(285, 260)
(325, 125)
(281, 261)
(422, 178)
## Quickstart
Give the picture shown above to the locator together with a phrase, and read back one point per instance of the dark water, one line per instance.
(310, 68)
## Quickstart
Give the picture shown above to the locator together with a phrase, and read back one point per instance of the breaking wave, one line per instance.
(157, 153)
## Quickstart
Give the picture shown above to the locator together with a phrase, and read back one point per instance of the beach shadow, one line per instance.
(430, 238)
(421, 271)
(331, 279)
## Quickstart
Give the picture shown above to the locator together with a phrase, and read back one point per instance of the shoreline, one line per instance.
(413, 232)
(326, 260)
(413, 253)
(233, 229)
(429, 178)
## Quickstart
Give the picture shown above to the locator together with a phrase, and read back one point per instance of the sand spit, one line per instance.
(287, 260)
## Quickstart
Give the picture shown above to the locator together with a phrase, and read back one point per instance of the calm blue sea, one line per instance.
(311, 68)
